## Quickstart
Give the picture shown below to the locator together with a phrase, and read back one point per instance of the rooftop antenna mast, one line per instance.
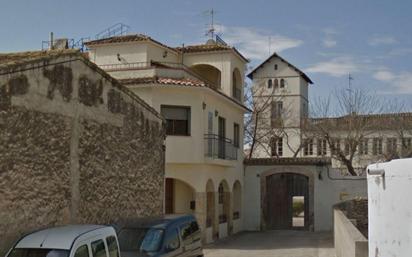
(351, 107)
(211, 27)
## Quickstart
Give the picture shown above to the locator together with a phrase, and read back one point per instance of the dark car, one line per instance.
(169, 235)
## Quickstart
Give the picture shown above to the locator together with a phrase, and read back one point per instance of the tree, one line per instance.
(349, 121)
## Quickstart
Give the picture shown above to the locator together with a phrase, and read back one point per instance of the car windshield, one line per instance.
(140, 239)
(33, 252)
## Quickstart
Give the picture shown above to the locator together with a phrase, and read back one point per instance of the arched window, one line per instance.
(276, 83)
(282, 83)
(269, 83)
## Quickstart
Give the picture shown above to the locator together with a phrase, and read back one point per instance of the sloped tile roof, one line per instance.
(184, 82)
(306, 77)
(288, 161)
(164, 81)
(126, 38)
(213, 47)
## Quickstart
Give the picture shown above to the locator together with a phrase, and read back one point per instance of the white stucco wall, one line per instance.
(390, 209)
(327, 192)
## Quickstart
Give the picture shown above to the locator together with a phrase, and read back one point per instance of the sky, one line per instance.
(327, 39)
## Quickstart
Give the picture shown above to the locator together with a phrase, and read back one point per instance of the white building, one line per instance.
(291, 161)
(199, 91)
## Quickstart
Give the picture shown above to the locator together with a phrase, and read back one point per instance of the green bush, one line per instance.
(298, 207)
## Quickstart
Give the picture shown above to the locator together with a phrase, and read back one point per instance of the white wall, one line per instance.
(390, 209)
(327, 192)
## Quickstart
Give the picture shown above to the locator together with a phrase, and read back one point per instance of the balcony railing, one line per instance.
(217, 147)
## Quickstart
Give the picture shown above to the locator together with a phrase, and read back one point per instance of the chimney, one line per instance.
(51, 41)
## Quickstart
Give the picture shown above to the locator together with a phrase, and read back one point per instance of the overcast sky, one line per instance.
(371, 39)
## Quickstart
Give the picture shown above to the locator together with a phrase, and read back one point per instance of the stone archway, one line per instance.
(278, 187)
(180, 197)
(209, 73)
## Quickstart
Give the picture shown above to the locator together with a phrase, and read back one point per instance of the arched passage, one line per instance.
(179, 197)
(224, 208)
(237, 206)
(209, 73)
(283, 192)
(236, 84)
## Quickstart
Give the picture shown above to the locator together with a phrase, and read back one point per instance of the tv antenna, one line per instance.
(211, 30)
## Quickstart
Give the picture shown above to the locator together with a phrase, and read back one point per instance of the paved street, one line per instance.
(274, 244)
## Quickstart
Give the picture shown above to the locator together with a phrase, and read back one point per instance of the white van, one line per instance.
(68, 241)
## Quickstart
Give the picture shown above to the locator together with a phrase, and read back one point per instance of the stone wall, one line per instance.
(75, 147)
(356, 211)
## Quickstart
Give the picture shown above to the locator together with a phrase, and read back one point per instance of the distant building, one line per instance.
(199, 91)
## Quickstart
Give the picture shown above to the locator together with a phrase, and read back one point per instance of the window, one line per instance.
(152, 240)
(112, 245)
(98, 248)
(321, 147)
(308, 147)
(82, 251)
(277, 109)
(347, 147)
(391, 145)
(335, 146)
(282, 83)
(277, 147)
(276, 82)
(407, 143)
(269, 83)
(221, 192)
(172, 241)
(377, 146)
(276, 67)
(236, 135)
(177, 120)
(363, 147)
(185, 232)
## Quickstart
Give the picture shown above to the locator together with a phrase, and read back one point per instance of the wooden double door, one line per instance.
(280, 191)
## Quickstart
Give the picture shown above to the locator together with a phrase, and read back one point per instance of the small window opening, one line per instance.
(298, 211)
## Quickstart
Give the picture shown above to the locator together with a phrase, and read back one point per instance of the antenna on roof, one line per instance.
(211, 26)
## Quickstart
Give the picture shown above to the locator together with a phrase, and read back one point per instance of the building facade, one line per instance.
(199, 91)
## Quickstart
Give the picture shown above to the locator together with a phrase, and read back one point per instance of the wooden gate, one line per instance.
(280, 190)
(169, 196)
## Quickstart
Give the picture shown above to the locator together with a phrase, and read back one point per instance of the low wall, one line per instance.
(349, 241)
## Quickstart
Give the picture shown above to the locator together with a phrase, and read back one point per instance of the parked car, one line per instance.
(170, 235)
(68, 241)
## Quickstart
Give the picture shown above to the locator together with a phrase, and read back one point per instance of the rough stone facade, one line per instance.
(75, 146)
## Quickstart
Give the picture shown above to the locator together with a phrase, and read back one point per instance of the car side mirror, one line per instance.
(172, 246)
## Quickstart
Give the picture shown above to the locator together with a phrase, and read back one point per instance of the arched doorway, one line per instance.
(210, 212)
(223, 208)
(286, 203)
(179, 197)
(237, 207)
(209, 73)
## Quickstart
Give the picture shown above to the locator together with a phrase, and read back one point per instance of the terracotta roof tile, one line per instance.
(213, 47)
(164, 81)
(288, 161)
(126, 38)
(186, 82)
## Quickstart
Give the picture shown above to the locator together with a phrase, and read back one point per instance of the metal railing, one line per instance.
(217, 147)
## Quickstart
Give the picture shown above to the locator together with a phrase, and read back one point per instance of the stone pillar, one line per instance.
(200, 212)
(216, 217)
(228, 203)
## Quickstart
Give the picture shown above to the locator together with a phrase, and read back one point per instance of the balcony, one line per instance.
(217, 147)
